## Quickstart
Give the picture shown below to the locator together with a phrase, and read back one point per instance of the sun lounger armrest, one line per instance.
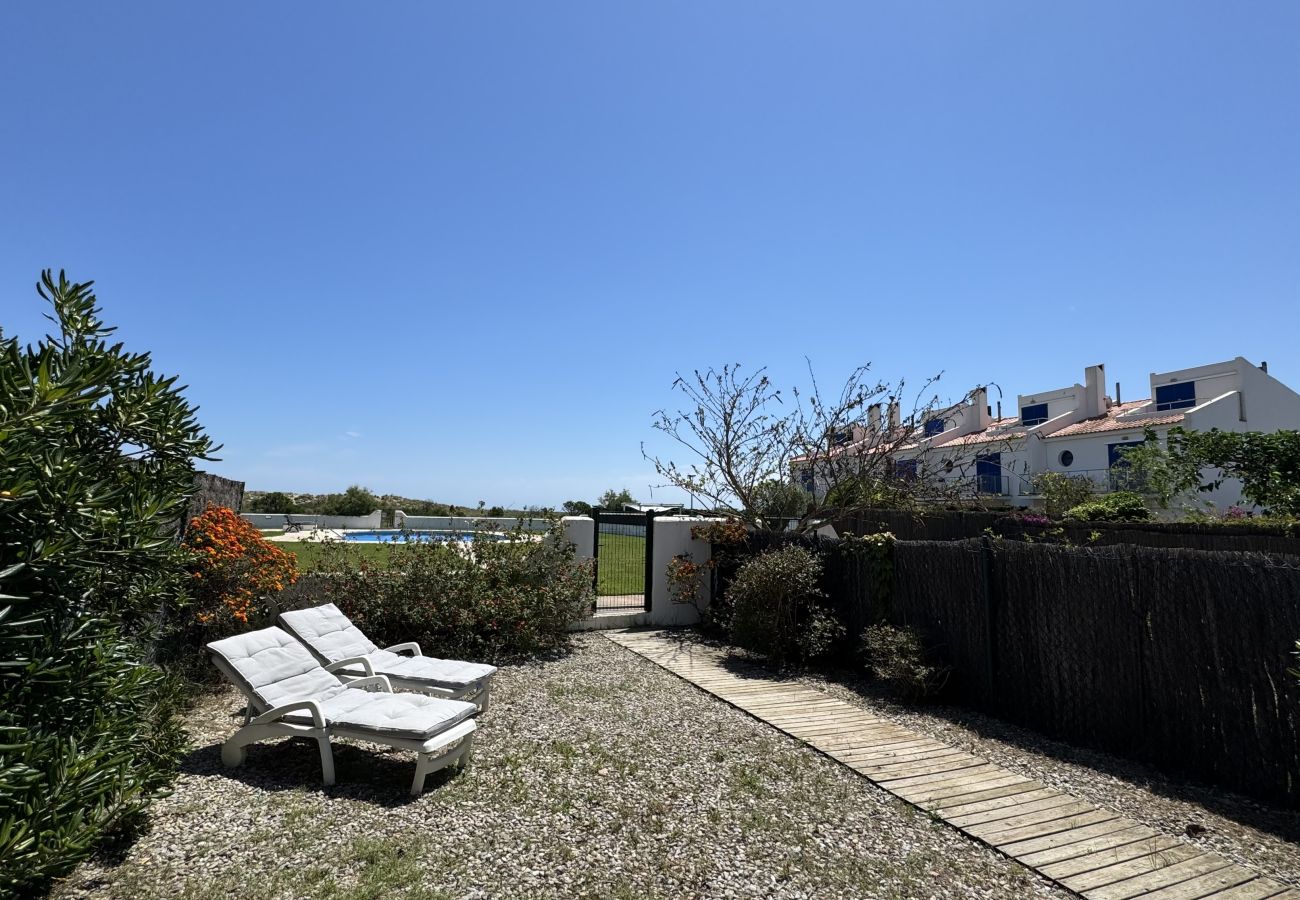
(317, 718)
(409, 645)
(379, 681)
(352, 661)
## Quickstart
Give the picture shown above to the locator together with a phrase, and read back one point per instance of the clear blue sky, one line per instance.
(458, 251)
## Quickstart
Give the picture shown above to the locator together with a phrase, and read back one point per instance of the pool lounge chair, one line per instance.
(290, 693)
(333, 639)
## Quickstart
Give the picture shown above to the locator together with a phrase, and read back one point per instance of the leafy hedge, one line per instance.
(95, 470)
(492, 600)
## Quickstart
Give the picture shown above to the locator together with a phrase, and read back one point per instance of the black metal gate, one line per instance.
(624, 549)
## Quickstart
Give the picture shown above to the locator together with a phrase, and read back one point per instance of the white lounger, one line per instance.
(333, 639)
(290, 693)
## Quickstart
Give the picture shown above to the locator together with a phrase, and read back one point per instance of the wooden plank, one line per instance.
(1111, 856)
(1205, 885)
(1010, 809)
(1061, 839)
(1259, 889)
(1017, 818)
(1093, 844)
(862, 738)
(922, 782)
(939, 805)
(1001, 803)
(1165, 876)
(887, 775)
(907, 755)
(970, 785)
(1140, 865)
(996, 836)
(883, 745)
(861, 729)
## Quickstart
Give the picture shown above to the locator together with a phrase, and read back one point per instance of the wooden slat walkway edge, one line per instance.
(1091, 851)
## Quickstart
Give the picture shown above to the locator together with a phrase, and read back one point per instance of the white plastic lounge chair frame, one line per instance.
(262, 722)
(476, 692)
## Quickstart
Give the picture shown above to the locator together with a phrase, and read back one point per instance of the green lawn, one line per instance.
(309, 553)
(622, 565)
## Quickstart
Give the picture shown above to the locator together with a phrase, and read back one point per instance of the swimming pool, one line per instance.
(389, 537)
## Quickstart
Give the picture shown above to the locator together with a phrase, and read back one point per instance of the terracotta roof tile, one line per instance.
(1112, 420)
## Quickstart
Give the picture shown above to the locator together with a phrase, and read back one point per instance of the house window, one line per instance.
(840, 438)
(1066, 458)
(1122, 476)
(1033, 415)
(806, 479)
(933, 427)
(905, 469)
(988, 473)
(1176, 396)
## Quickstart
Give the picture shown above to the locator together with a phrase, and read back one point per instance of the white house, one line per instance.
(1080, 431)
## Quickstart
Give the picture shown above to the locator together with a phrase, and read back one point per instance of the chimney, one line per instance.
(893, 415)
(999, 409)
(873, 418)
(1118, 399)
(1094, 391)
(981, 415)
(1263, 367)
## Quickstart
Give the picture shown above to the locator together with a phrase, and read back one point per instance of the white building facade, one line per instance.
(1081, 431)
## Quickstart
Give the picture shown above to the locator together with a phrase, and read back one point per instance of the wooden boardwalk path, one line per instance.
(1091, 851)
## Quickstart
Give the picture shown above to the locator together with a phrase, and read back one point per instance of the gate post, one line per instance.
(595, 559)
(649, 557)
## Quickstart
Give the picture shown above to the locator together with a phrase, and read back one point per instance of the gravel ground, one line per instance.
(1263, 837)
(595, 775)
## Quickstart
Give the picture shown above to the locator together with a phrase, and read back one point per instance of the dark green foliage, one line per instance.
(274, 502)
(355, 501)
(615, 500)
(779, 499)
(505, 600)
(1268, 464)
(577, 508)
(1121, 506)
(774, 606)
(1061, 492)
(95, 469)
(898, 657)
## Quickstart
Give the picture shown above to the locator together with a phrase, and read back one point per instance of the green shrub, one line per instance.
(95, 472)
(355, 501)
(1121, 506)
(496, 601)
(1061, 492)
(773, 606)
(897, 657)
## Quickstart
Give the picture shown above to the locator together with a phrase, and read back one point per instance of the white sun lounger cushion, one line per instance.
(442, 672)
(332, 636)
(415, 716)
(277, 668)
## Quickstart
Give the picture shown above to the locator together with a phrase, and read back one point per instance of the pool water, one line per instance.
(389, 537)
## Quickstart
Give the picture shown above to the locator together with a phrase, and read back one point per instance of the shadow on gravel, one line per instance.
(379, 777)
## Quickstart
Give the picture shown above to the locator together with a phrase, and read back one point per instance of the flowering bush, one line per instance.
(491, 600)
(233, 568)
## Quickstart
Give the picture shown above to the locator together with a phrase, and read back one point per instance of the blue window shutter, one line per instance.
(1033, 415)
(1176, 396)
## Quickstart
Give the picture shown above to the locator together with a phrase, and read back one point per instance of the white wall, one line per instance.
(580, 531)
(276, 520)
(466, 523)
(672, 538)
